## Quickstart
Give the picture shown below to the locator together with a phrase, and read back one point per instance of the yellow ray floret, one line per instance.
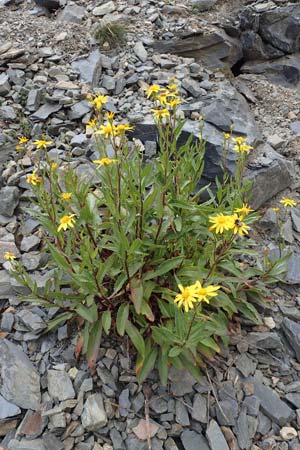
(204, 293)
(66, 222)
(220, 223)
(288, 202)
(186, 298)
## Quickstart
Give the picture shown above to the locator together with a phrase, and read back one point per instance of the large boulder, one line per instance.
(281, 27)
(214, 49)
(89, 68)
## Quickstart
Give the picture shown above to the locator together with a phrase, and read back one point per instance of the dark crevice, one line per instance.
(236, 68)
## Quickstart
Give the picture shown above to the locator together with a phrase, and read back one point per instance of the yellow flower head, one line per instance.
(239, 227)
(91, 123)
(242, 148)
(110, 116)
(221, 223)
(66, 222)
(18, 148)
(174, 102)
(227, 136)
(244, 210)
(119, 129)
(154, 89)
(66, 195)
(104, 161)
(22, 140)
(276, 209)
(204, 293)
(160, 113)
(33, 178)
(186, 298)
(172, 86)
(9, 256)
(53, 165)
(42, 143)
(107, 129)
(288, 202)
(99, 101)
(239, 140)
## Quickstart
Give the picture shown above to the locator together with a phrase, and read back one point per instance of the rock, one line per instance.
(51, 442)
(199, 411)
(7, 321)
(7, 113)
(252, 404)
(267, 340)
(271, 173)
(294, 399)
(295, 127)
(8, 409)
(51, 5)
(71, 13)
(46, 110)
(6, 289)
(19, 380)
(34, 99)
(288, 433)
(203, 5)
(94, 415)
(192, 441)
(60, 385)
(275, 141)
(193, 87)
(32, 425)
(280, 27)
(215, 437)
(182, 416)
(124, 403)
(271, 404)
(80, 109)
(295, 215)
(104, 9)
(243, 431)
(227, 412)
(32, 321)
(141, 430)
(89, 68)
(4, 85)
(29, 243)
(245, 365)
(24, 444)
(182, 382)
(214, 49)
(108, 83)
(140, 51)
(291, 331)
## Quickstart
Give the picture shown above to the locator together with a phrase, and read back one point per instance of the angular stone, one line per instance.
(51, 442)
(9, 200)
(203, 5)
(80, 109)
(291, 330)
(182, 416)
(94, 415)
(227, 412)
(294, 399)
(29, 243)
(72, 14)
(46, 110)
(89, 68)
(245, 365)
(140, 51)
(271, 404)
(192, 441)
(19, 380)
(4, 84)
(51, 5)
(271, 173)
(215, 437)
(295, 215)
(7, 113)
(199, 411)
(242, 431)
(6, 289)
(252, 404)
(34, 99)
(32, 425)
(104, 9)
(32, 321)
(24, 444)
(60, 386)
(8, 409)
(193, 87)
(182, 382)
(267, 340)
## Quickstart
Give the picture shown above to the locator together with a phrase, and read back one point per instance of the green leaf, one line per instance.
(137, 291)
(162, 365)
(136, 338)
(106, 321)
(165, 267)
(175, 351)
(94, 343)
(89, 314)
(63, 317)
(122, 317)
(149, 362)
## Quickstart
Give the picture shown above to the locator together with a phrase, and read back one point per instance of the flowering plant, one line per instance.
(139, 250)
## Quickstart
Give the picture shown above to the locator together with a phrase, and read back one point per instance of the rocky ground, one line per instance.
(236, 62)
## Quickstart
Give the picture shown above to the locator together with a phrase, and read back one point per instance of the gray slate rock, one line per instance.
(94, 415)
(6, 288)
(7, 113)
(89, 68)
(271, 404)
(215, 437)
(4, 84)
(8, 409)
(192, 441)
(140, 51)
(19, 380)
(24, 444)
(60, 386)
(291, 330)
(9, 200)
(203, 5)
(199, 411)
(71, 13)
(182, 382)
(227, 412)
(46, 110)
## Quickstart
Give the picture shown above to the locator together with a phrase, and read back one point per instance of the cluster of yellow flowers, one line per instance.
(166, 98)
(194, 294)
(234, 222)
(286, 202)
(241, 145)
(39, 143)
